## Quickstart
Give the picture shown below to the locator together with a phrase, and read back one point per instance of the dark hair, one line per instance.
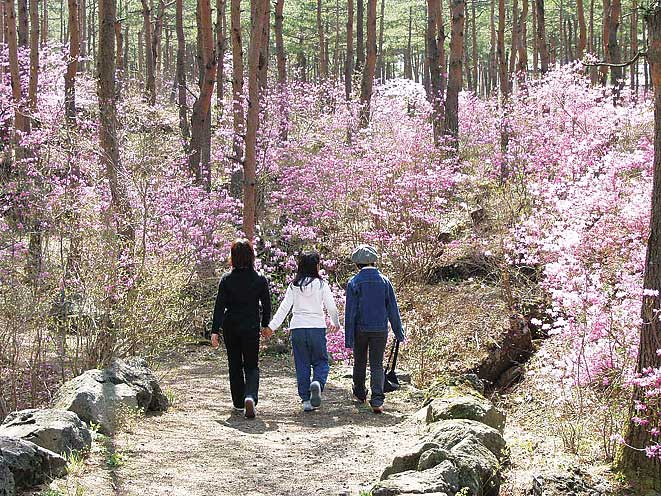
(361, 266)
(308, 269)
(242, 255)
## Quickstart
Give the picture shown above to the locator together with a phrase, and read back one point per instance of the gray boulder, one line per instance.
(99, 395)
(59, 431)
(96, 399)
(458, 405)
(455, 455)
(134, 372)
(7, 486)
(29, 464)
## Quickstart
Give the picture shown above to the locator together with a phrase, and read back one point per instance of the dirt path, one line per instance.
(200, 447)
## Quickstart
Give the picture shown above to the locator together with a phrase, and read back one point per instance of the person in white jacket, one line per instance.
(306, 297)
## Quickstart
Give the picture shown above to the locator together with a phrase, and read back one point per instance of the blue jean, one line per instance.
(309, 346)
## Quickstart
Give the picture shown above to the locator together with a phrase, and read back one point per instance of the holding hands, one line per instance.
(267, 332)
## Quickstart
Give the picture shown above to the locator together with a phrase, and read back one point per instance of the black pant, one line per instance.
(374, 344)
(242, 359)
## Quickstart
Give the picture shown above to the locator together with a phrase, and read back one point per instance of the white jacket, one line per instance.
(308, 303)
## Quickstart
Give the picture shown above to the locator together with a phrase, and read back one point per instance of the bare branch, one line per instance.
(625, 64)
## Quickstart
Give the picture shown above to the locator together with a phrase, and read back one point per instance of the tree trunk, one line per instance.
(476, 83)
(348, 65)
(150, 86)
(408, 62)
(380, 65)
(201, 108)
(634, 45)
(582, 35)
(360, 36)
(72, 64)
(613, 46)
(23, 27)
(493, 63)
(181, 75)
(236, 186)
(252, 121)
(367, 82)
(502, 58)
(44, 22)
(221, 48)
(21, 122)
(433, 62)
(280, 44)
(523, 42)
(454, 78)
(264, 49)
(323, 63)
(541, 38)
(514, 49)
(632, 458)
(34, 55)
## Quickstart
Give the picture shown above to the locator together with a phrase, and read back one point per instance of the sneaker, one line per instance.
(238, 409)
(307, 406)
(315, 394)
(377, 409)
(250, 407)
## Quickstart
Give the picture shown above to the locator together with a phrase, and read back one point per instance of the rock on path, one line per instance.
(200, 447)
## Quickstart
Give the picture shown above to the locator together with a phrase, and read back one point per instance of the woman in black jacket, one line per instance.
(237, 314)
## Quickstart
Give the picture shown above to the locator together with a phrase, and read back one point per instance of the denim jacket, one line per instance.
(370, 304)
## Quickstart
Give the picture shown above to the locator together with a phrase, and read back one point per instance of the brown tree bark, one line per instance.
(408, 56)
(440, 43)
(613, 46)
(201, 115)
(21, 121)
(541, 38)
(380, 65)
(582, 35)
(500, 51)
(23, 26)
(360, 35)
(523, 42)
(434, 63)
(72, 64)
(634, 45)
(323, 62)
(514, 48)
(44, 22)
(632, 459)
(236, 186)
(221, 48)
(476, 83)
(34, 55)
(281, 57)
(181, 74)
(83, 34)
(150, 75)
(252, 121)
(455, 72)
(605, 35)
(348, 64)
(367, 82)
(493, 62)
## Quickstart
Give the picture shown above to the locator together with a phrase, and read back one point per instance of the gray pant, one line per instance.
(374, 345)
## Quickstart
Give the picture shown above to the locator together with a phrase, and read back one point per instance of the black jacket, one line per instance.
(240, 293)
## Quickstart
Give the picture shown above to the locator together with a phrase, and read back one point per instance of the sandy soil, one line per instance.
(200, 447)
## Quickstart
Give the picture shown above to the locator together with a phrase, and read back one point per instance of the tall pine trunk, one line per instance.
(360, 35)
(201, 115)
(72, 64)
(455, 72)
(236, 186)
(434, 64)
(542, 46)
(181, 75)
(632, 457)
(252, 121)
(348, 65)
(323, 62)
(221, 48)
(367, 82)
(150, 84)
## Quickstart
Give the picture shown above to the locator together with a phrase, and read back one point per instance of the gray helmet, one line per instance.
(364, 255)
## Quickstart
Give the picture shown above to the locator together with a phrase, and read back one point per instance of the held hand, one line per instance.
(215, 340)
(267, 332)
(333, 328)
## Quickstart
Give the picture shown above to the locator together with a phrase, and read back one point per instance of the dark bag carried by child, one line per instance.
(391, 382)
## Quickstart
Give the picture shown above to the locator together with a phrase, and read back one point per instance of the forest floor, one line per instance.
(201, 447)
